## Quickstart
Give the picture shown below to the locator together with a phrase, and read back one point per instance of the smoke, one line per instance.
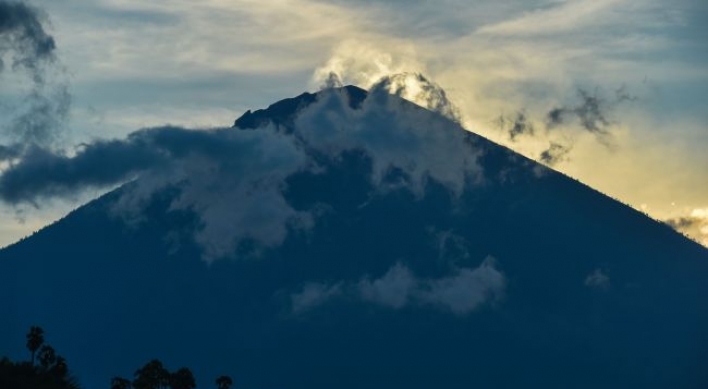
(417, 88)
(332, 81)
(398, 72)
(360, 63)
(394, 133)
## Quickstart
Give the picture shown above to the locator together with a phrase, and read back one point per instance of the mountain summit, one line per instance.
(353, 239)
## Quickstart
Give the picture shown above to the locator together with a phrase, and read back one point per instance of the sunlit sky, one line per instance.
(130, 64)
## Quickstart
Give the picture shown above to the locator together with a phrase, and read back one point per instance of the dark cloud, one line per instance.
(215, 169)
(555, 153)
(11, 152)
(622, 94)
(681, 223)
(39, 117)
(517, 125)
(23, 36)
(41, 173)
(590, 112)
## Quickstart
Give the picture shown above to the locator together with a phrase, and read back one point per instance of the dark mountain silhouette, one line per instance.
(282, 112)
(521, 278)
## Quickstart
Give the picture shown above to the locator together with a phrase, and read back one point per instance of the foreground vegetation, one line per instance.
(47, 370)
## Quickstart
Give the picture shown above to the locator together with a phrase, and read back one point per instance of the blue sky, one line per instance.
(131, 64)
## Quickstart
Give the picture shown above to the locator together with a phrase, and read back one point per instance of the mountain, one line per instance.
(391, 248)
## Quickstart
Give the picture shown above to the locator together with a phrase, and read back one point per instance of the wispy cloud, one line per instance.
(562, 17)
(43, 108)
(22, 34)
(313, 295)
(694, 224)
(233, 180)
(421, 144)
(394, 289)
(461, 292)
(598, 280)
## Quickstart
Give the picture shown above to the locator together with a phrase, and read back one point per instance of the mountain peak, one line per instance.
(361, 243)
(283, 111)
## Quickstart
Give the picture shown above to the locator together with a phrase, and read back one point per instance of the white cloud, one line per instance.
(461, 292)
(491, 57)
(693, 223)
(394, 289)
(233, 183)
(597, 279)
(233, 180)
(394, 134)
(242, 198)
(314, 295)
(560, 18)
(466, 289)
(364, 64)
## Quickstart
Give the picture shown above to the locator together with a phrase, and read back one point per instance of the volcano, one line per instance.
(356, 240)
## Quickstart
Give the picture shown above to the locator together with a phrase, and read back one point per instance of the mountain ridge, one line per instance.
(281, 113)
(391, 284)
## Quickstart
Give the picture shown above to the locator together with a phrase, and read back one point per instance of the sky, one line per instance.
(611, 92)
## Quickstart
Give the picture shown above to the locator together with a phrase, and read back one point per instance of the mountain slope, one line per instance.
(438, 259)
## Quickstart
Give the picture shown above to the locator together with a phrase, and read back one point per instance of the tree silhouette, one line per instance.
(52, 372)
(224, 382)
(120, 383)
(35, 339)
(60, 369)
(151, 376)
(47, 357)
(182, 379)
